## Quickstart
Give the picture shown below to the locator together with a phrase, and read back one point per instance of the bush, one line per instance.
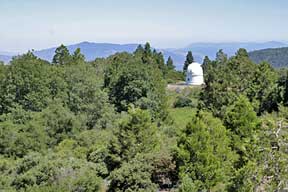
(182, 101)
(132, 176)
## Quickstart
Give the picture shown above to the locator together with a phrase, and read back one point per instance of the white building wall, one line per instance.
(194, 74)
(194, 80)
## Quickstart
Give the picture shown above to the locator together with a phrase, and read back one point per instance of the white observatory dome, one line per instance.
(194, 74)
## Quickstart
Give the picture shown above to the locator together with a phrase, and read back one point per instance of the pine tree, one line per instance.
(221, 57)
(242, 53)
(204, 157)
(170, 64)
(241, 119)
(285, 94)
(189, 60)
(160, 62)
(136, 135)
(78, 57)
(139, 50)
(146, 58)
(206, 63)
(62, 56)
(147, 49)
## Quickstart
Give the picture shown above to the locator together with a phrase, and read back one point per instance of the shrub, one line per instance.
(182, 101)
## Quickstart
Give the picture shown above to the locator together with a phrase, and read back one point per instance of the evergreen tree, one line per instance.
(78, 57)
(221, 57)
(129, 153)
(136, 135)
(265, 89)
(285, 99)
(170, 64)
(62, 56)
(147, 49)
(134, 175)
(242, 53)
(147, 54)
(160, 62)
(206, 63)
(139, 50)
(242, 121)
(189, 60)
(283, 84)
(225, 81)
(204, 155)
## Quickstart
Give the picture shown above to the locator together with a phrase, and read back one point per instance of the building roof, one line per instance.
(195, 69)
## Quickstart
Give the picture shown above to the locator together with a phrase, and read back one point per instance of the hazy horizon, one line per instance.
(42, 24)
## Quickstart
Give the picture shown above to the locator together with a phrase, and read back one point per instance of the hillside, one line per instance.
(230, 48)
(200, 50)
(277, 57)
(112, 125)
(90, 50)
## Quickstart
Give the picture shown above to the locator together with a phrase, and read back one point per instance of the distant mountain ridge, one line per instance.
(200, 50)
(90, 50)
(277, 57)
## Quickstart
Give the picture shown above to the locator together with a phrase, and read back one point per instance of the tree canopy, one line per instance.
(113, 125)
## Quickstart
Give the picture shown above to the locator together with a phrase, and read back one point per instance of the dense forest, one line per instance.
(112, 125)
(277, 57)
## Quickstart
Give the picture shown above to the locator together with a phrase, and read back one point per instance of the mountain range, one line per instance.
(200, 50)
(277, 57)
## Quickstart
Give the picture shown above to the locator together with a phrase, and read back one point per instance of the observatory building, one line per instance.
(194, 74)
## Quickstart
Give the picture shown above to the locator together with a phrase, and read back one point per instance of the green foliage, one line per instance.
(84, 96)
(277, 57)
(240, 118)
(159, 59)
(170, 64)
(139, 50)
(59, 130)
(62, 56)
(26, 83)
(78, 57)
(134, 175)
(171, 75)
(243, 123)
(51, 172)
(226, 79)
(135, 138)
(244, 126)
(206, 63)
(189, 60)
(136, 134)
(182, 101)
(203, 154)
(221, 57)
(283, 86)
(129, 81)
(181, 116)
(273, 146)
(19, 139)
(246, 178)
(147, 53)
(59, 123)
(164, 172)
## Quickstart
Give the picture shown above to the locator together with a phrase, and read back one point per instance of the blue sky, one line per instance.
(37, 24)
